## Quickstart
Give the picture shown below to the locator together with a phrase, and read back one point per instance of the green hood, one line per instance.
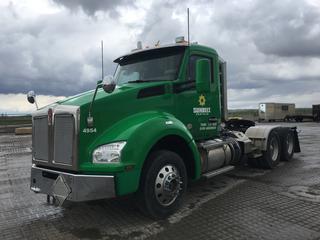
(111, 108)
(86, 97)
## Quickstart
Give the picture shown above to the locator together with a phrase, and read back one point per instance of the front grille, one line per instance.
(63, 139)
(40, 138)
(55, 145)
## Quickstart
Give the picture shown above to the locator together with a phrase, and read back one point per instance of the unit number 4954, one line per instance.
(89, 130)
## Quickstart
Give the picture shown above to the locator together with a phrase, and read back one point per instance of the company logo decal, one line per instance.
(202, 110)
(202, 100)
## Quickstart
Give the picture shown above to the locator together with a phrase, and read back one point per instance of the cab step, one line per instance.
(217, 172)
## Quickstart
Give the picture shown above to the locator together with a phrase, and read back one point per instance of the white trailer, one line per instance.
(276, 111)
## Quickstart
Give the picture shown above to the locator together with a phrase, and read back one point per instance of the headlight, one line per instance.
(108, 153)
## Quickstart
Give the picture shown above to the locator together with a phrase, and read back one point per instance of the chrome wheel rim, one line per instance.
(167, 185)
(289, 141)
(274, 149)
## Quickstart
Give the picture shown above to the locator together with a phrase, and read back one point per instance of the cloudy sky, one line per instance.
(53, 46)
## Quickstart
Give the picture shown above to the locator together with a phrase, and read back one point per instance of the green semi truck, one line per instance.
(157, 124)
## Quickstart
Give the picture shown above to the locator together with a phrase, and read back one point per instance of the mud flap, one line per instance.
(296, 140)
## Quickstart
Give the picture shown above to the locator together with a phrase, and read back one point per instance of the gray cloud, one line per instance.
(288, 28)
(160, 26)
(92, 6)
(282, 28)
(271, 47)
(46, 54)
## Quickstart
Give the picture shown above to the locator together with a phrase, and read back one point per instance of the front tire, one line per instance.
(163, 184)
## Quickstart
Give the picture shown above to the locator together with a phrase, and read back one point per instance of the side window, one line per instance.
(192, 66)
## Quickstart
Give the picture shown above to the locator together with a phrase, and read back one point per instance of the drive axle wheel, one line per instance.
(163, 184)
(271, 156)
(287, 149)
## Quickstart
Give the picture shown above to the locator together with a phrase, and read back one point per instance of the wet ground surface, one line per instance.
(246, 203)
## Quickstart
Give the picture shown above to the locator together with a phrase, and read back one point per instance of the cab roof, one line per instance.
(193, 46)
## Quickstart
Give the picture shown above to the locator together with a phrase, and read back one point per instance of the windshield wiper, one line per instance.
(145, 80)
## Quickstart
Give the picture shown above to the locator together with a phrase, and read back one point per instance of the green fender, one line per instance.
(141, 132)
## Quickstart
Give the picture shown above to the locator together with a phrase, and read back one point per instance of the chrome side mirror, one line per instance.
(31, 96)
(108, 84)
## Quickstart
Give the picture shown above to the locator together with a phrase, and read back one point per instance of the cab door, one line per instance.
(198, 110)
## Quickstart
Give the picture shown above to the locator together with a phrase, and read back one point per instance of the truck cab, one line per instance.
(158, 127)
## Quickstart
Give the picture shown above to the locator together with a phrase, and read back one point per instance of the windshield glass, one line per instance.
(153, 65)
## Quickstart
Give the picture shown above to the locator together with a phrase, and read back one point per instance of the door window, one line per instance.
(192, 67)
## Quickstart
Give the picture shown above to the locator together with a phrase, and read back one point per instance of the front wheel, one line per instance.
(163, 184)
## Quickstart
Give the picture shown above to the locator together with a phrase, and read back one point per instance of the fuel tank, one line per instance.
(218, 153)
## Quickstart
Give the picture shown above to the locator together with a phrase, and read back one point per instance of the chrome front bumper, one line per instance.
(72, 187)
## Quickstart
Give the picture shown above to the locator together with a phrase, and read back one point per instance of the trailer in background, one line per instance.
(276, 111)
(286, 112)
(315, 116)
(316, 112)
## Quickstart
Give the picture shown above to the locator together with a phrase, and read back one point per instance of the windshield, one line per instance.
(153, 65)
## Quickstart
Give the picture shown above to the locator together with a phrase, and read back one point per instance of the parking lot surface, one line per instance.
(246, 203)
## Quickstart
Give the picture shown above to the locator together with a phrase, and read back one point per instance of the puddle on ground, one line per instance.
(309, 193)
(88, 233)
(203, 192)
(311, 166)
(247, 173)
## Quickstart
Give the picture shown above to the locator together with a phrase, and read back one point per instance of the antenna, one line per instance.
(188, 47)
(188, 27)
(102, 71)
(90, 117)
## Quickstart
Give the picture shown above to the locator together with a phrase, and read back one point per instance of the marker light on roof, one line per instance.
(180, 39)
(139, 45)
